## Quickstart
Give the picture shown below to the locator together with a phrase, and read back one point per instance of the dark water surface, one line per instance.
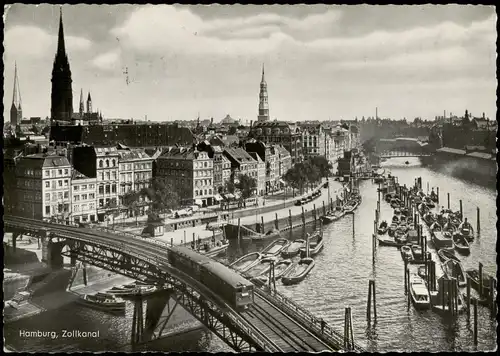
(339, 279)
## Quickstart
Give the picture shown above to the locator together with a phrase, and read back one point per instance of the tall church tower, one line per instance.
(62, 95)
(263, 104)
(81, 110)
(16, 113)
(89, 104)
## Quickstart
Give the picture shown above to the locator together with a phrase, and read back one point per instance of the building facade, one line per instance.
(284, 162)
(279, 133)
(314, 141)
(83, 198)
(261, 173)
(107, 170)
(241, 162)
(189, 172)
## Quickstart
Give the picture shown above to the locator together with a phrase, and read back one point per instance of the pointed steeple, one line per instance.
(14, 95)
(82, 107)
(62, 94)
(61, 48)
(263, 104)
(89, 103)
(15, 109)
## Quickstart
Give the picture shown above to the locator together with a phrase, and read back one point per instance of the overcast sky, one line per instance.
(321, 61)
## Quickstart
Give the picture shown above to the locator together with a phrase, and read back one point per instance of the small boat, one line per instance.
(298, 271)
(351, 205)
(103, 302)
(128, 290)
(473, 274)
(388, 242)
(395, 219)
(454, 269)
(461, 245)
(407, 163)
(442, 240)
(445, 254)
(418, 254)
(395, 203)
(435, 227)
(429, 218)
(406, 253)
(334, 215)
(388, 197)
(293, 249)
(400, 236)
(261, 268)
(281, 268)
(419, 292)
(246, 262)
(449, 227)
(392, 229)
(382, 229)
(466, 231)
(275, 247)
(315, 245)
(397, 212)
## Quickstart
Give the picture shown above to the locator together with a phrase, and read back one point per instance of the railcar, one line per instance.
(221, 280)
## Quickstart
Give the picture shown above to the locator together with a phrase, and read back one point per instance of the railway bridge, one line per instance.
(273, 323)
(403, 147)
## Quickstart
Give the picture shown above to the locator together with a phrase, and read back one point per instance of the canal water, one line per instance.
(339, 279)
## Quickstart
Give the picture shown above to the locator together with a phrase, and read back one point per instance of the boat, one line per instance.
(407, 163)
(260, 268)
(293, 249)
(395, 219)
(334, 215)
(246, 262)
(460, 243)
(389, 242)
(430, 204)
(213, 250)
(442, 240)
(446, 254)
(275, 247)
(392, 229)
(351, 205)
(435, 227)
(466, 231)
(400, 236)
(388, 197)
(429, 218)
(128, 290)
(473, 274)
(406, 253)
(105, 302)
(418, 254)
(419, 292)
(382, 229)
(449, 227)
(298, 271)
(454, 269)
(315, 245)
(434, 197)
(395, 203)
(438, 306)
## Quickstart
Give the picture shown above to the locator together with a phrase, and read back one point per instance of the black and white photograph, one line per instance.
(249, 178)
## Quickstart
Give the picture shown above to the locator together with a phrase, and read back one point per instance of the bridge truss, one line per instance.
(232, 331)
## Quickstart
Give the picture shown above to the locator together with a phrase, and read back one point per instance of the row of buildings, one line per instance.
(87, 183)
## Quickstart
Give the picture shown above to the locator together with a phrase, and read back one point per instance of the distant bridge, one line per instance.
(390, 154)
(272, 323)
(402, 147)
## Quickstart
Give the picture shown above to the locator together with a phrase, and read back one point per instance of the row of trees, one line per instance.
(308, 173)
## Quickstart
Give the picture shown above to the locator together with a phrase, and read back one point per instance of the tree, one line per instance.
(323, 165)
(131, 201)
(246, 185)
(295, 178)
(161, 196)
(232, 130)
(111, 208)
(312, 172)
(229, 186)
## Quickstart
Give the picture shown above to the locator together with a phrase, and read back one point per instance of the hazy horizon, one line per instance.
(322, 62)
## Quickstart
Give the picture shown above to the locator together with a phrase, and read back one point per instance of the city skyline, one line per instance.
(408, 61)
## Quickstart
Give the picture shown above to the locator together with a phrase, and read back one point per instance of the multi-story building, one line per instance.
(268, 154)
(279, 133)
(218, 167)
(241, 162)
(261, 173)
(83, 198)
(43, 186)
(284, 163)
(313, 140)
(226, 169)
(189, 172)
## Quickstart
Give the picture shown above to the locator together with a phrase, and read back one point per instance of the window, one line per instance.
(196, 192)
(91, 196)
(60, 183)
(53, 173)
(102, 175)
(113, 188)
(47, 173)
(59, 172)
(66, 195)
(76, 187)
(47, 196)
(91, 206)
(114, 175)
(66, 171)
(107, 163)
(107, 189)
(84, 196)
(47, 184)
(84, 187)
(114, 163)
(76, 208)
(91, 186)
(101, 189)
(100, 163)
(65, 182)
(47, 210)
(84, 207)
(101, 202)
(54, 196)
(60, 195)
(107, 175)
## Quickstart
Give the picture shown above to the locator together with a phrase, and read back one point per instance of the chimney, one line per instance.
(483, 116)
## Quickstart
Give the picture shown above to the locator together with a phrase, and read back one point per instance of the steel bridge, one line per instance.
(273, 323)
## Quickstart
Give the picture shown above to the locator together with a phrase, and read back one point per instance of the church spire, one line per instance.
(263, 103)
(82, 107)
(62, 94)
(89, 103)
(61, 48)
(16, 114)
